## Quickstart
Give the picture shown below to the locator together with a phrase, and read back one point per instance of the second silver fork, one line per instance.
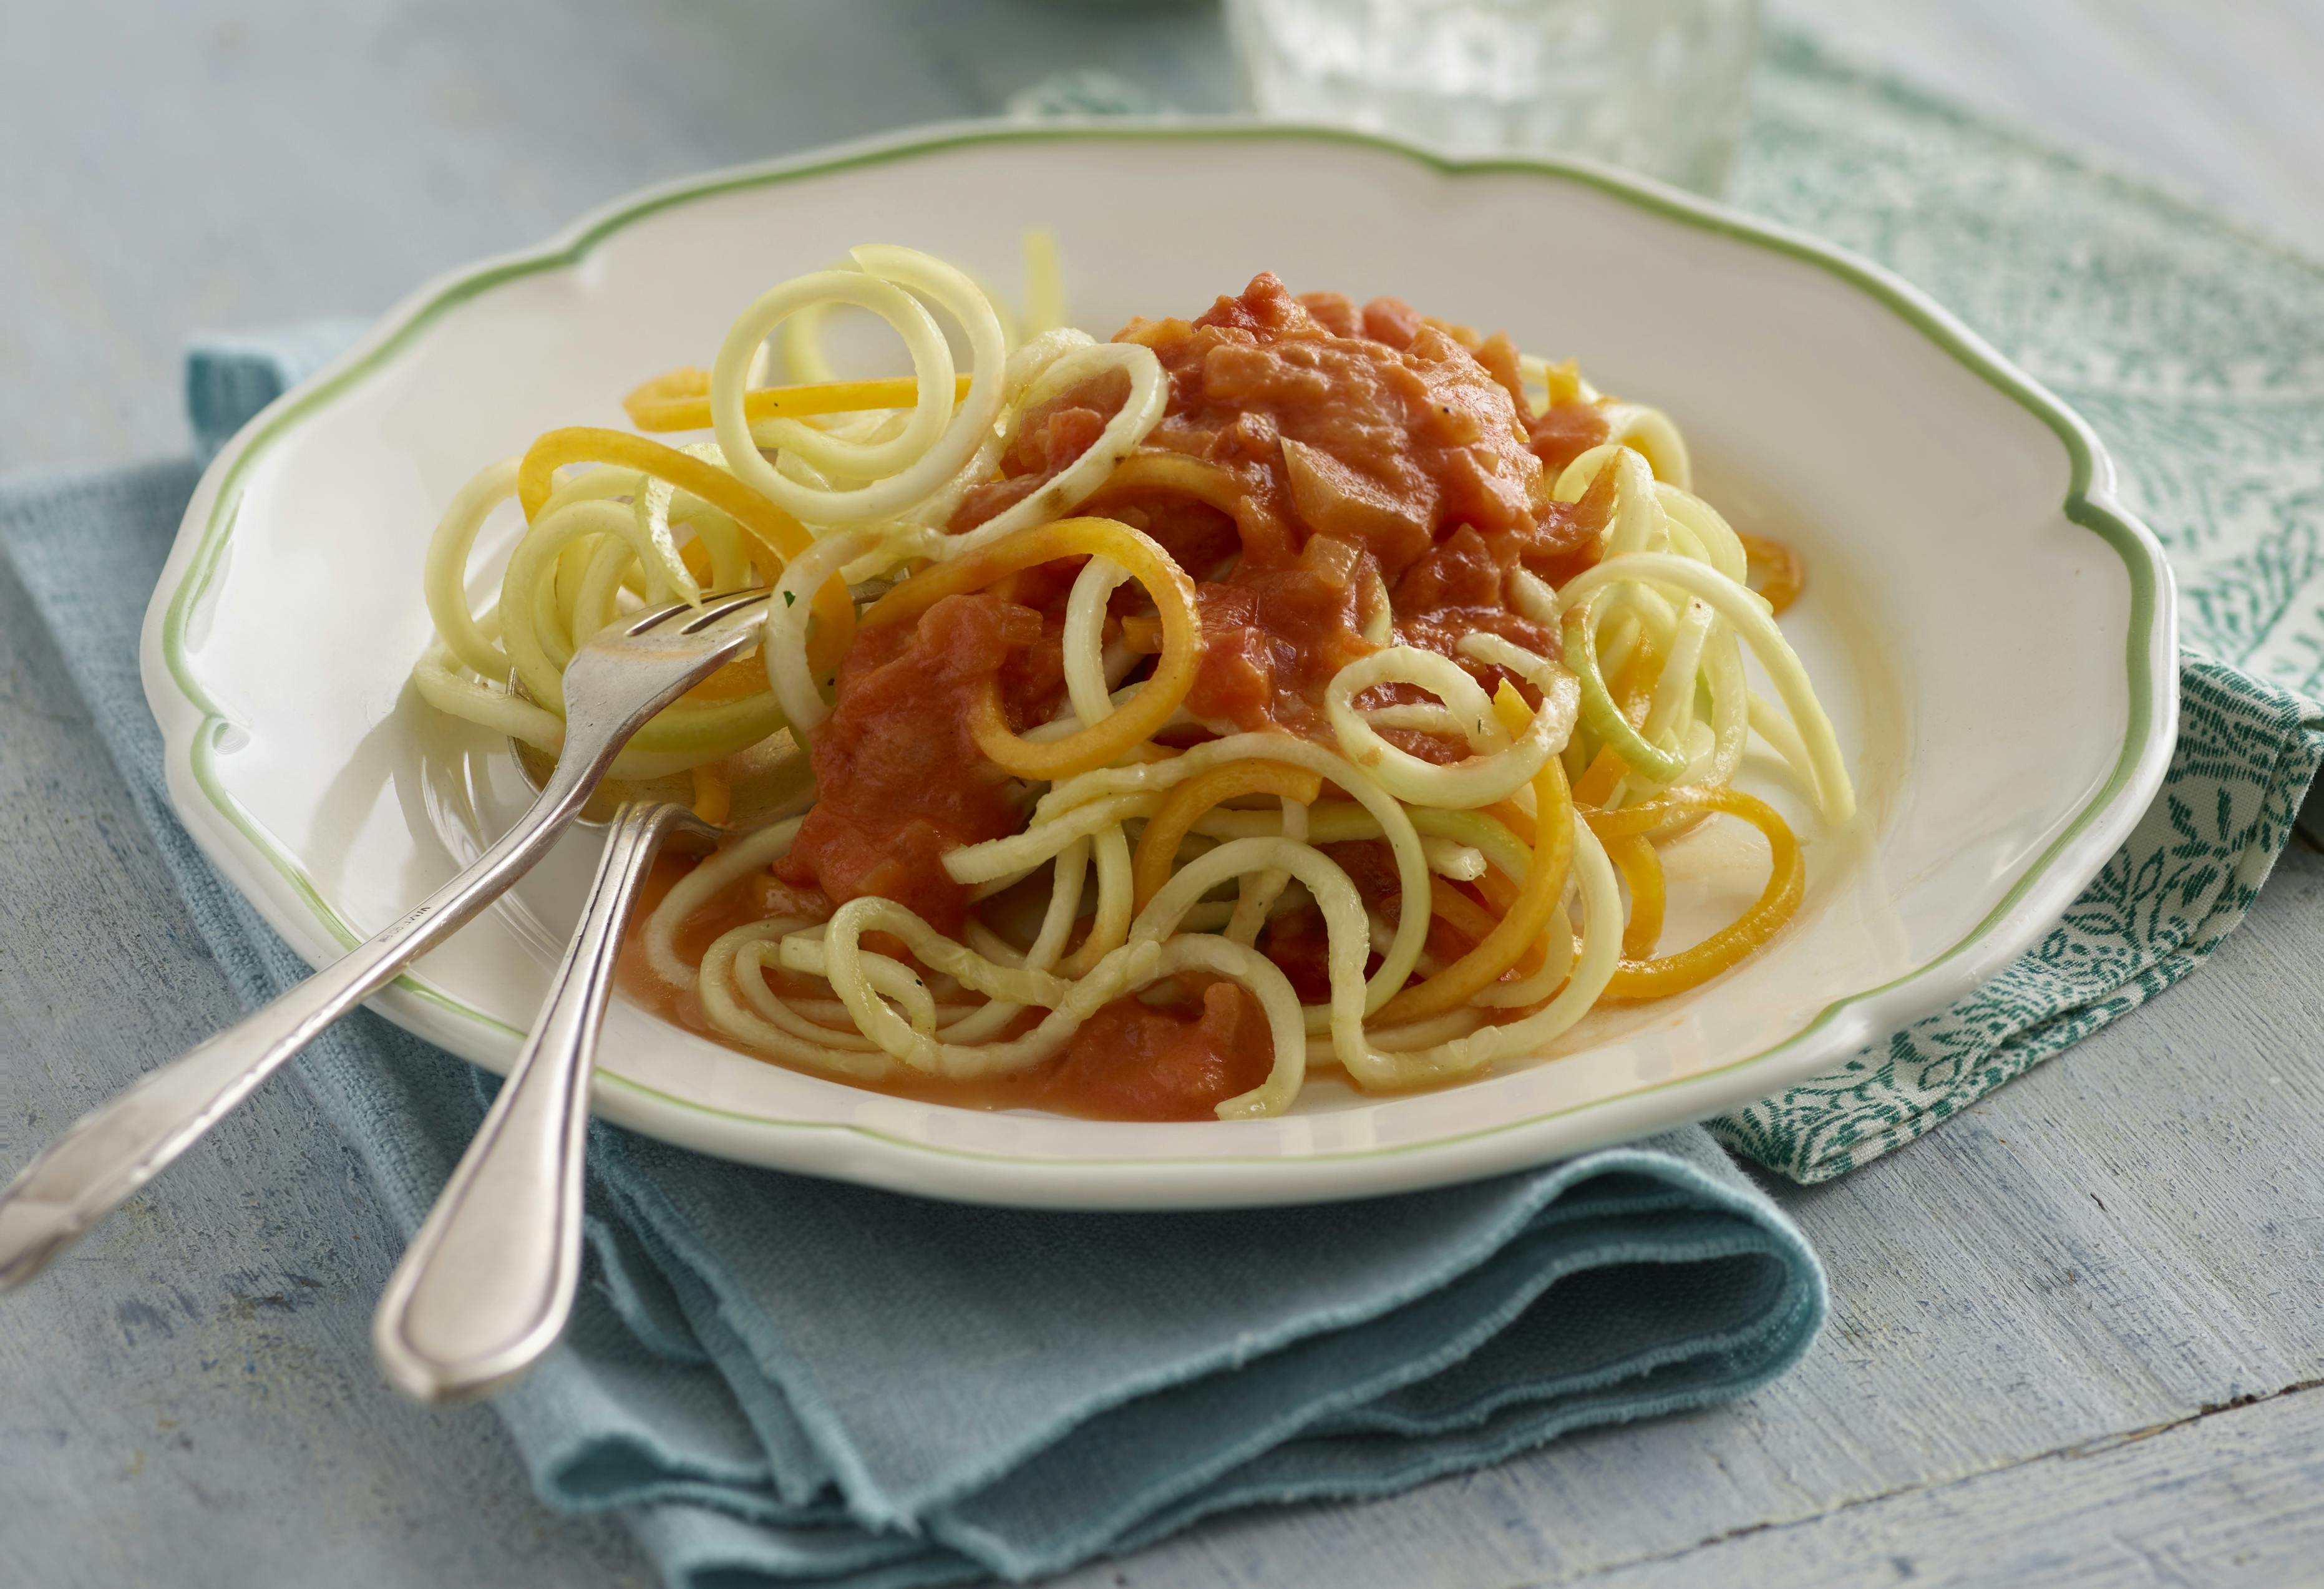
(488, 1282)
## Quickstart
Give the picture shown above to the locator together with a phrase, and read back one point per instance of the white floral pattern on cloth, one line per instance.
(2197, 352)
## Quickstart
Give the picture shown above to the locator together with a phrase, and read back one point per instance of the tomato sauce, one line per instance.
(1360, 453)
(1376, 429)
(1394, 452)
(1563, 432)
(1050, 436)
(1138, 1061)
(898, 777)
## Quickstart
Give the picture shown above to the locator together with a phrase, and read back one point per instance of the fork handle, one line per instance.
(488, 1283)
(124, 1142)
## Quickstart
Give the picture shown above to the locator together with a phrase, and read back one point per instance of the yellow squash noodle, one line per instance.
(1786, 571)
(1642, 873)
(714, 797)
(782, 535)
(1521, 927)
(1731, 944)
(1103, 742)
(1596, 785)
(1157, 846)
(680, 400)
(1458, 911)
(1176, 474)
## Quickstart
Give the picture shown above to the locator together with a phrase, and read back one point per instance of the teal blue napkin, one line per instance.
(783, 1379)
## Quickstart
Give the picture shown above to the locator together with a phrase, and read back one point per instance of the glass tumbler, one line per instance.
(1657, 85)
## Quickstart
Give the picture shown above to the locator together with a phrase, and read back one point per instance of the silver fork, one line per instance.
(488, 1282)
(619, 678)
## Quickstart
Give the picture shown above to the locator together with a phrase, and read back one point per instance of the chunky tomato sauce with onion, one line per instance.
(1316, 461)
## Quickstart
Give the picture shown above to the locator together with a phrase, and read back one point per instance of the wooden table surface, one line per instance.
(2077, 1335)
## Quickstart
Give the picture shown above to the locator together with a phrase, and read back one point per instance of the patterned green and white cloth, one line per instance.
(2197, 350)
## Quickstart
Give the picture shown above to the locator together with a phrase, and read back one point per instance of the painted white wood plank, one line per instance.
(2232, 1498)
(246, 162)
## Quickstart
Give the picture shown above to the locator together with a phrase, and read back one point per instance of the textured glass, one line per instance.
(1657, 85)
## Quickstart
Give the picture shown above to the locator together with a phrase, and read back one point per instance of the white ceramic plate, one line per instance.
(1992, 633)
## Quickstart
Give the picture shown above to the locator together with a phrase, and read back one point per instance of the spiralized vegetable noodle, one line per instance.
(1301, 686)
